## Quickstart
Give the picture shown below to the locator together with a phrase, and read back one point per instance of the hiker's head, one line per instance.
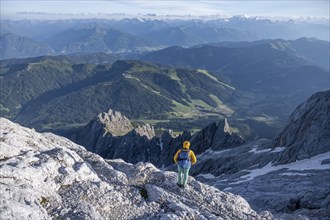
(186, 145)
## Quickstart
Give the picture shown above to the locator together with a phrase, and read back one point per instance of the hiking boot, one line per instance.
(179, 185)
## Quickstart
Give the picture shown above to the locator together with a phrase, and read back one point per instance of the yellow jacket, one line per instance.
(191, 155)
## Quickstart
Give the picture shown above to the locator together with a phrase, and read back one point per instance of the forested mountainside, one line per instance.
(52, 93)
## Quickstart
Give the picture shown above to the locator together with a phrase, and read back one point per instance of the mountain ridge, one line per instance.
(172, 92)
(151, 34)
(94, 38)
(16, 46)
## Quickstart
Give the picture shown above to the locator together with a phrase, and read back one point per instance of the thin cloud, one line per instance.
(297, 8)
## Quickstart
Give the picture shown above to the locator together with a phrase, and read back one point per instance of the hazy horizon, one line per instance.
(102, 9)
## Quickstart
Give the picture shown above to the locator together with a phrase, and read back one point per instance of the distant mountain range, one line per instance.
(85, 40)
(216, 56)
(281, 73)
(92, 39)
(311, 49)
(197, 34)
(140, 35)
(256, 83)
(15, 46)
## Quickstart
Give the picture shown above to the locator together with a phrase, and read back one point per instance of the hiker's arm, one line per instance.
(176, 156)
(193, 157)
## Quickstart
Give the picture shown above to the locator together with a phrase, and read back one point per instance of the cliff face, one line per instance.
(111, 135)
(308, 130)
(216, 136)
(44, 176)
(288, 175)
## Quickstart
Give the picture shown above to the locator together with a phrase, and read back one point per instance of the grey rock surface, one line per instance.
(110, 129)
(289, 175)
(114, 123)
(289, 190)
(216, 136)
(308, 130)
(44, 176)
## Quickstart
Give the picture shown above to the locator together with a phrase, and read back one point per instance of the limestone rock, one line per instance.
(216, 137)
(146, 130)
(308, 130)
(44, 176)
(114, 123)
(289, 175)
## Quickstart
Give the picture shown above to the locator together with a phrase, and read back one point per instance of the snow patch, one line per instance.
(276, 150)
(227, 189)
(210, 152)
(161, 144)
(295, 174)
(207, 176)
(313, 163)
(256, 151)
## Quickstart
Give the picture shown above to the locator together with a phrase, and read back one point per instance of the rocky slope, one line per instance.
(44, 176)
(297, 190)
(288, 175)
(308, 130)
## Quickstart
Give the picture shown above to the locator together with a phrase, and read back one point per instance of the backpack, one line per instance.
(184, 159)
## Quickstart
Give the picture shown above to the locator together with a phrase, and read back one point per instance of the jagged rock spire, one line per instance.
(146, 130)
(216, 136)
(226, 127)
(115, 123)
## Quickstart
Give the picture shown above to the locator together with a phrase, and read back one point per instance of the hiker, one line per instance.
(184, 158)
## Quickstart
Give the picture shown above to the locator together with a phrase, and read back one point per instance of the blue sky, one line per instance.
(292, 8)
